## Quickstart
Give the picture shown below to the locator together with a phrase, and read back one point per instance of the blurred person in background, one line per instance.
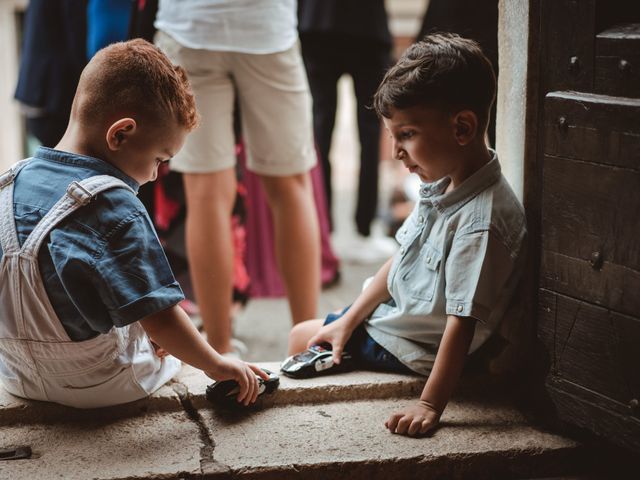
(350, 37)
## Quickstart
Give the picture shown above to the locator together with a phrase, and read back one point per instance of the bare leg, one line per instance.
(210, 198)
(301, 333)
(297, 241)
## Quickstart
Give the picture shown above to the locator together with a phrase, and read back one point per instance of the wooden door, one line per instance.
(589, 297)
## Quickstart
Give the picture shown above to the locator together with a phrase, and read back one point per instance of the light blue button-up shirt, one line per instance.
(460, 254)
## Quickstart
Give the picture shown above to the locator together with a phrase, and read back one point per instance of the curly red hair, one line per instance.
(136, 79)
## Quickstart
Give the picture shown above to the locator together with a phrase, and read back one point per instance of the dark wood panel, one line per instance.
(615, 286)
(594, 128)
(591, 233)
(591, 346)
(568, 58)
(617, 64)
(547, 325)
(598, 414)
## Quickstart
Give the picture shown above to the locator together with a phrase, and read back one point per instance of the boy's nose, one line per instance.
(397, 152)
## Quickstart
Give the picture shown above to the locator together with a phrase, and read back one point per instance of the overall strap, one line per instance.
(8, 235)
(78, 194)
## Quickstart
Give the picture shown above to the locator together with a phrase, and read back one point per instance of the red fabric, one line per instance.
(254, 254)
(165, 209)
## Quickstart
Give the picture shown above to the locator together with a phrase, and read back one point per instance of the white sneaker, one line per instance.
(239, 346)
(365, 250)
(238, 349)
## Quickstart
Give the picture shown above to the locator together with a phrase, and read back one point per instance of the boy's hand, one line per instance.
(336, 334)
(158, 350)
(414, 420)
(241, 372)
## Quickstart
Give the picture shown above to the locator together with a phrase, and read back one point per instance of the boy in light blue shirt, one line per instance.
(445, 290)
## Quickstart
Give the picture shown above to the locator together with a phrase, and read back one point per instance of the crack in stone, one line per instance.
(208, 444)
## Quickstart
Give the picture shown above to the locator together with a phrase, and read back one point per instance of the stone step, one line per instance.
(192, 383)
(344, 439)
(328, 427)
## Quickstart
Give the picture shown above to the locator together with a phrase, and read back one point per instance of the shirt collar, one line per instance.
(433, 193)
(99, 166)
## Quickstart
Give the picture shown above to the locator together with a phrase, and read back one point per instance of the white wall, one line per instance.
(11, 149)
(513, 38)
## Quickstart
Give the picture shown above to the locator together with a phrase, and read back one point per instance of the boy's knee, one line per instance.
(302, 332)
(297, 331)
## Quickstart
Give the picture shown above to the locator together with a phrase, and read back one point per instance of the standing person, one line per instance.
(53, 56)
(348, 37)
(246, 48)
(107, 23)
(475, 19)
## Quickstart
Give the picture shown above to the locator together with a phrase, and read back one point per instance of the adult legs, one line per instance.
(367, 72)
(297, 240)
(323, 73)
(275, 107)
(210, 198)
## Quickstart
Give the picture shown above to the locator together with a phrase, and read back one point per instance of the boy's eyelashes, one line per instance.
(407, 134)
(403, 135)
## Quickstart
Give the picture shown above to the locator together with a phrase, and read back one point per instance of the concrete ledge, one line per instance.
(348, 439)
(18, 410)
(158, 445)
(357, 385)
(191, 384)
(328, 427)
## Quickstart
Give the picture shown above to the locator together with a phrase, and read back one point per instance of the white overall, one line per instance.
(38, 360)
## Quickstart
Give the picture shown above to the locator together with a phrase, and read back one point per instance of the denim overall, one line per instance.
(38, 360)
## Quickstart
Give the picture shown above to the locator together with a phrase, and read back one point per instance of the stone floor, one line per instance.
(330, 427)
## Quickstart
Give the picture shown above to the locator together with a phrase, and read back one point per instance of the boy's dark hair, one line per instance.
(443, 70)
(135, 78)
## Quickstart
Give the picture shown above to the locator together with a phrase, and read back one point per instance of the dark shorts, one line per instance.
(367, 353)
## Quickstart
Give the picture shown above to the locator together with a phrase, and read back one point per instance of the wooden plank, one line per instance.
(594, 128)
(601, 416)
(592, 346)
(617, 64)
(569, 56)
(592, 209)
(615, 287)
(546, 328)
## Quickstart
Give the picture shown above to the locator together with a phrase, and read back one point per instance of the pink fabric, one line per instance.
(166, 209)
(260, 255)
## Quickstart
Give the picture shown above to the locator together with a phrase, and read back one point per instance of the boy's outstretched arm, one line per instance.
(339, 332)
(173, 330)
(419, 418)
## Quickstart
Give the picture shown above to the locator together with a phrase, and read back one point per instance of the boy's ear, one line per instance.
(119, 132)
(466, 126)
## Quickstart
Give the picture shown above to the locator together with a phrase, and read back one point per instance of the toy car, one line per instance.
(317, 360)
(224, 393)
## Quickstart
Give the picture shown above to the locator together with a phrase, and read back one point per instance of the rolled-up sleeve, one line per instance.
(476, 271)
(134, 273)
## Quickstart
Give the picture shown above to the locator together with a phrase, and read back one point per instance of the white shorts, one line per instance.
(275, 107)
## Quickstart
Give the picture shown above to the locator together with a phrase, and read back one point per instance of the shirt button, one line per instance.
(405, 231)
(420, 219)
(428, 259)
(401, 250)
(460, 308)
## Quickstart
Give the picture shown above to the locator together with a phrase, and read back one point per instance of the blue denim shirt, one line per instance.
(103, 266)
(460, 254)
